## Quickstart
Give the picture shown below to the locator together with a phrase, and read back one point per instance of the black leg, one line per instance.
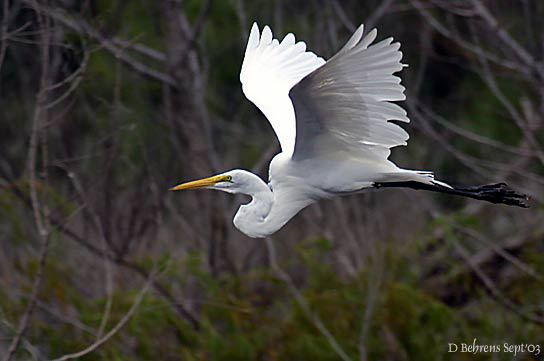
(494, 193)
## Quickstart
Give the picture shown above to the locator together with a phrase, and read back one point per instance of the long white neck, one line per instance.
(268, 210)
(258, 209)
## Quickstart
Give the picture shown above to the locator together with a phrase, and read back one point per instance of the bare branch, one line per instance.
(41, 223)
(117, 327)
(63, 228)
(197, 27)
(494, 291)
(522, 54)
(73, 79)
(522, 266)
(464, 44)
(140, 49)
(339, 10)
(491, 82)
(82, 27)
(302, 302)
(374, 282)
(377, 14)
(242, 19)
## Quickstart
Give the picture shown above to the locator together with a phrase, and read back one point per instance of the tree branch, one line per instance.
(302, 302)
(117, 327)
(41, 224)
(82, 27)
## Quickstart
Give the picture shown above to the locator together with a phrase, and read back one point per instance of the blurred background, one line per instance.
(107, 104)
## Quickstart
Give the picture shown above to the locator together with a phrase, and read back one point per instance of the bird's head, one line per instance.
(234, 181)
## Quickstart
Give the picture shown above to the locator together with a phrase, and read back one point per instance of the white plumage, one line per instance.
(333, 121)
(343, 105)
(270, 69)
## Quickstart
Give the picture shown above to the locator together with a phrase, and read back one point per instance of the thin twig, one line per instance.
(140, 49)
(41, 224)
(32, 350)
(443, 30)
(117, 327)
(374, 282)
(197, 28)
(491, 82)
(493, 290)
(4, 32)
(107, 266)
(501, 250)
(378, 13)
(520, 51)
(82, 27)
(52, 312)
(73, 79)
(63, 228)
(242, 19)
(302, 302)
(344, 19)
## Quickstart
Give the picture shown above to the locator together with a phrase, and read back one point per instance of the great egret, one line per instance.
(332, 119)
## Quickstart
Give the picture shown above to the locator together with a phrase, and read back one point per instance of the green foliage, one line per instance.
(421, 324)
(14, 223)
(253, 316)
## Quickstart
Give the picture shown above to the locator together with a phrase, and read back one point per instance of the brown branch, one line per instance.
(82, 27)
(302, 302)
(344, 19)
(477, 165)
(73, 79)
(374, 281)
(377, 14)
(117, 327)
(441, 285)
(494, 291)
(521, 53)
(41, 224)
(54, 313)
(484, 256)
(444, 31)
(490, 80)
(197, 28)
(140, 49)
(139, 270)
(242, 19)
(99, 228)
(63, 228)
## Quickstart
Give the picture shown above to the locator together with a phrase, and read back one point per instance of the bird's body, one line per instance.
(333, 121)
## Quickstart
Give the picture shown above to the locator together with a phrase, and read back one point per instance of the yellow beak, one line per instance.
(201, 183)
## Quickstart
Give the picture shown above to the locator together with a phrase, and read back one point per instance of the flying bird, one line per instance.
(333, 120)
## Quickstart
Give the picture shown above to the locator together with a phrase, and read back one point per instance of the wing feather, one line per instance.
(342, 106)
(346, 105)
(269, 70)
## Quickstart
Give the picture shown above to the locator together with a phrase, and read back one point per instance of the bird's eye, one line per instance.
(228, 178)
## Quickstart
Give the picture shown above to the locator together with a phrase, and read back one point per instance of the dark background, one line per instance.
(104, 105)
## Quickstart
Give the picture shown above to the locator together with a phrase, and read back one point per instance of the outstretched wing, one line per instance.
(269, 71)
(345, 105)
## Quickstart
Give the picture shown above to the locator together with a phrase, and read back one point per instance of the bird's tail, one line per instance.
(407, 175)
(494, 193)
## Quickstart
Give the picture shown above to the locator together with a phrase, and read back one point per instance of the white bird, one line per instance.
(333, 121)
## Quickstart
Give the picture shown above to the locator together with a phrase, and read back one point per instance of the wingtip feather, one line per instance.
(368, 39)
(254, 36)
(355, 38)
(289, 39)
(266, 35)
